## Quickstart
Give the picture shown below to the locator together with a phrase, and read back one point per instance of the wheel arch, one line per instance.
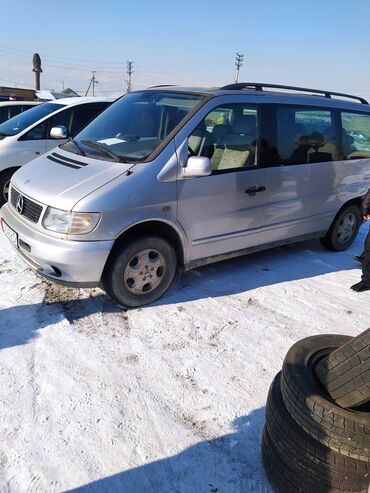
(10, 168)
(7, 173)
(151, 227)
(355, 201)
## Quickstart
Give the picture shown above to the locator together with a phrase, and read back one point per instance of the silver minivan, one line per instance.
(174, 178)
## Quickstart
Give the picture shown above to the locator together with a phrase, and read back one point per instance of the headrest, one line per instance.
(220, 131)
(244, 124)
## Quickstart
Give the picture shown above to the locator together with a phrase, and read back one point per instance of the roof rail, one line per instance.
(258, 86)
(161, 85)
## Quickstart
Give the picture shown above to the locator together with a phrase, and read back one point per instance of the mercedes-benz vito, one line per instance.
(170, 178)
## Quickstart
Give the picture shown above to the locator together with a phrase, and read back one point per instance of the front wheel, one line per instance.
(141, 271)
(343, 229)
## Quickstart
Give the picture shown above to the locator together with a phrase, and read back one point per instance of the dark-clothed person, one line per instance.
(364, 284)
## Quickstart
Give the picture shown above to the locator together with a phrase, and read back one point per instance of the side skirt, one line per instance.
(193, 264)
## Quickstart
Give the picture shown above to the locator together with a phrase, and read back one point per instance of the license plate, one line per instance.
(10, 234)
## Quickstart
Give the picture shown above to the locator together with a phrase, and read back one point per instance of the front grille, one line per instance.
(31, 210)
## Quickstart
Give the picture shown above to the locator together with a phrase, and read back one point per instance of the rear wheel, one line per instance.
(141, 272)
(5, 177)
(343, 229)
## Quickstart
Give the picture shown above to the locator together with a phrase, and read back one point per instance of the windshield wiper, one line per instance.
(103, 149)
(78, 147)
(3, 134)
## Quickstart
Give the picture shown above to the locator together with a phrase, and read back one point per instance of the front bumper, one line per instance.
(72, 263)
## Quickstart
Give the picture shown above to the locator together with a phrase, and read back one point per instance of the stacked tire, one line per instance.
(311, 442)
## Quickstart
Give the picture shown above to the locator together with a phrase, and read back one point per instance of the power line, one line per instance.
(15, 82)
(103, 70)
(108, 68)
(26, 53)
(79, 68)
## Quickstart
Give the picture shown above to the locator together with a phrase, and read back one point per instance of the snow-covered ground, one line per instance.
(163, 399)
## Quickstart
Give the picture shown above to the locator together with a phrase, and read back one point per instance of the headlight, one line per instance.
(73, 223)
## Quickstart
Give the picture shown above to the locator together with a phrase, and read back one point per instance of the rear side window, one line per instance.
(306, 135)
(4, 114)
(355, 135)
(20, 122)
(7, 112)
(15, 110)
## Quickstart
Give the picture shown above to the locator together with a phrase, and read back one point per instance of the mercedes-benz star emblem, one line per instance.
(20, 204)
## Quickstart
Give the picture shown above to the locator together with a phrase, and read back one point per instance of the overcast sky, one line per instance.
(321, 44)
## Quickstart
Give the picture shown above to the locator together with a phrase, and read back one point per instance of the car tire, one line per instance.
(5, 177)
(308, 457)
(343, 229)
(345, 373)
(141, 271)
(286, 479)
(343, 430)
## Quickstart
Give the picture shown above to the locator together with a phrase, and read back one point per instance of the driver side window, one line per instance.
(36, 133)
(42, 130)
(228, 136)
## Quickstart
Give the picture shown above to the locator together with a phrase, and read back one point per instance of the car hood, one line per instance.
(60, 179)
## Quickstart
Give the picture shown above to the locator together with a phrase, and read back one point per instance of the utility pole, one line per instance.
(129, 73)
(93, 81)
(238, 62)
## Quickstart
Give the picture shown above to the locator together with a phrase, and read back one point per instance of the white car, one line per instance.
(8, 109)
(29, 134)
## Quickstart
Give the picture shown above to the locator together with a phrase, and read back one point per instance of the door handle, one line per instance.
(254, 189)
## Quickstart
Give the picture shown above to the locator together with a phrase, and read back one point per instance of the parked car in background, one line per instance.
(30, 134)
(360, 138)
(8, 109)
(171, 178)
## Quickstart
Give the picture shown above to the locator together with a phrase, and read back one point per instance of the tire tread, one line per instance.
(345, 373)
(342, 430)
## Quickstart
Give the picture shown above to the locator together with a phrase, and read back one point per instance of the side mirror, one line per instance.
(197, 166)
(59, 132)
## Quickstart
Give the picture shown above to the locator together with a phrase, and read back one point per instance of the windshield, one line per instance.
(134, 126)
(20, 122)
